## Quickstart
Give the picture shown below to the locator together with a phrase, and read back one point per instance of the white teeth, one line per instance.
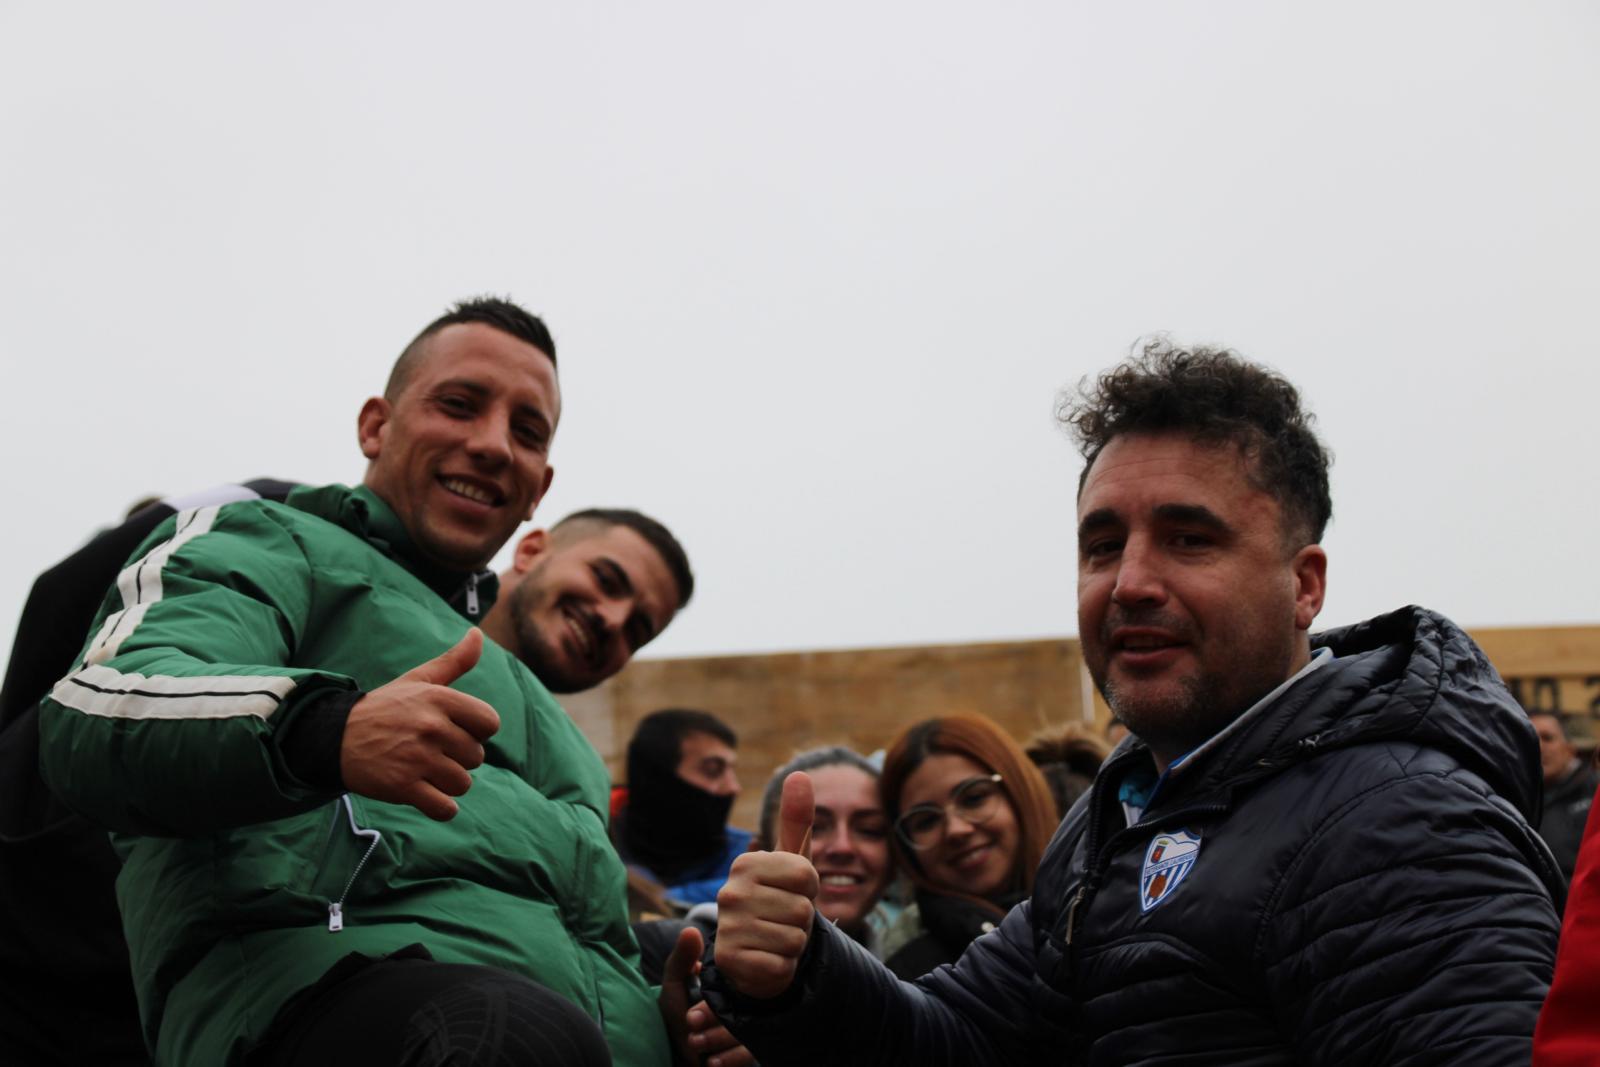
(840, 879)
(471, 492)
(972, 856)
(581, 632)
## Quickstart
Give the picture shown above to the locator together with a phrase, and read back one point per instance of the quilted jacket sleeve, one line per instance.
(1416, 927)
(167, 725)
(846, 1008)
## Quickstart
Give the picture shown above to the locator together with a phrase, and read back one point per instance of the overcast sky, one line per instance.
(817, 272)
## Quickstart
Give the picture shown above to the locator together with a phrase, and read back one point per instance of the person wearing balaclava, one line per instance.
(674, 828)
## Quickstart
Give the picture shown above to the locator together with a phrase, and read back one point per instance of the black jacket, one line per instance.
(949, 924)
(1566, 810)
(1367, 891)
(66, 994)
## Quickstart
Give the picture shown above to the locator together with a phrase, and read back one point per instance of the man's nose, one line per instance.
(490, 440)
(1139, 579)
(613, 611)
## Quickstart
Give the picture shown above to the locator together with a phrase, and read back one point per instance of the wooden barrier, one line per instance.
(782, 703)
(1554, 668)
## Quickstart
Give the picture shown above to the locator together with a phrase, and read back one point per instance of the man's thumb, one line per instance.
(795, 813)
(452, 663)
(685, 956)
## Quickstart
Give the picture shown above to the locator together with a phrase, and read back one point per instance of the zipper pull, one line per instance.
(335, 917)
(472, 595)
(1072, 910)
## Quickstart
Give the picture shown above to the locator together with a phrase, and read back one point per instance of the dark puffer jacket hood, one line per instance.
(1481, 725)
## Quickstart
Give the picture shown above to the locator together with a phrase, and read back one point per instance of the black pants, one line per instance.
(408, 1010)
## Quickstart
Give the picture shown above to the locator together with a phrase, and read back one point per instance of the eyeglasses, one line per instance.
(975, 800)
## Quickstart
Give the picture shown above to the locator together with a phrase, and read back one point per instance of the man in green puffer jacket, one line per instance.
(257, 660)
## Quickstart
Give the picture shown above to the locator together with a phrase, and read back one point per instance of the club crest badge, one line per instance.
(1167, 861)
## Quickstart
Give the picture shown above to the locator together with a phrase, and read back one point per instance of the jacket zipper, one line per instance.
(472, 595)
(336, 907)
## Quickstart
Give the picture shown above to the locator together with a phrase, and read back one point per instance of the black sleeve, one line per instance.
(1417, 927)
(846, 1009)
(61, 607)
(311, 744)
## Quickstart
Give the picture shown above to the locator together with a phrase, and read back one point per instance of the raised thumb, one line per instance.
(452, 663)
(686, 952)
(795, 813)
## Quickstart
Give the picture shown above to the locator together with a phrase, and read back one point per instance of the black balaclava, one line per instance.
(669, 825)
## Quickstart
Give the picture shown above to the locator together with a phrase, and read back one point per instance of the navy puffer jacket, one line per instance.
(1366, 890)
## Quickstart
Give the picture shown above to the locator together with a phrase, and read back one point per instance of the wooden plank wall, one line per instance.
(1550, 669)
(782, 703)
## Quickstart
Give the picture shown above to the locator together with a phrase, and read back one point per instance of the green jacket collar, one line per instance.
(365, 514)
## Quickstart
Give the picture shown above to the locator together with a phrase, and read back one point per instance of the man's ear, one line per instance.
(549, 476)
(1310, 569)
(534, 544)
(369, 426)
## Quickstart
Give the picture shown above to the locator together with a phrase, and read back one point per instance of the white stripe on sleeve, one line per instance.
(97, 690)
(140, 583)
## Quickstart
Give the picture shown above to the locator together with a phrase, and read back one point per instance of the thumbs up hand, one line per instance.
(413, 740)
(697, 1034)
(765, 911)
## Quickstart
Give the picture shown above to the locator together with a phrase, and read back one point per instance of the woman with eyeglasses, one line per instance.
(971, 817)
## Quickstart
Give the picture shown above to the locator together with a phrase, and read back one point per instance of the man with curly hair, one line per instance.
(1315, 848)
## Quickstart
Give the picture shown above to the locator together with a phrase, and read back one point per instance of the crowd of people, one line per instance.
(284, 779)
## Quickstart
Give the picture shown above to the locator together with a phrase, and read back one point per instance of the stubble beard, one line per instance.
(532, 648)
(1173, 723)
(1176, 723)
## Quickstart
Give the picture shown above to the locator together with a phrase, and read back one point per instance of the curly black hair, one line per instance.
(1214, 396)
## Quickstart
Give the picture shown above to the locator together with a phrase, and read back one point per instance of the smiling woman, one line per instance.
(849, 836)
(971, 817)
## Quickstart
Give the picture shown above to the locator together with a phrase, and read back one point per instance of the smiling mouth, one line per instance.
(1144, 648)
(1139, 641)
(1146, 644)
(972, 857)
(840, 884)
(582, 636)
(478, 494)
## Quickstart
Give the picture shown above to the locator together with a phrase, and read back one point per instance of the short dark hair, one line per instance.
(495, 311)
(1560, 720)
(1217, 397)
(656, 536)
(658, 739)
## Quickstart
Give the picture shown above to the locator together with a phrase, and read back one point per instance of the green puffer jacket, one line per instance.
(228, 619)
